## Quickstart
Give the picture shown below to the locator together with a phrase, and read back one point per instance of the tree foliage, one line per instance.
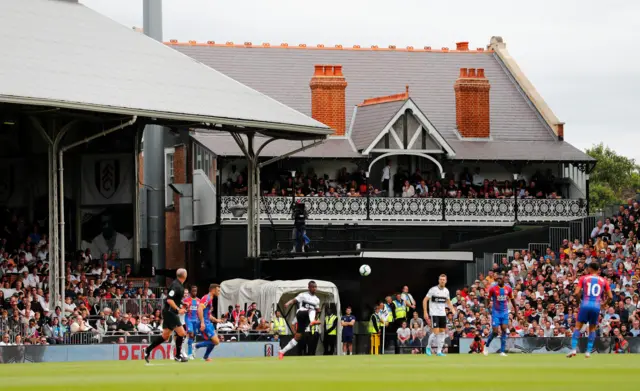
(614, 179)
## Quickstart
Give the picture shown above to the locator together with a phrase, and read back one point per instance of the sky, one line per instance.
(580, 55)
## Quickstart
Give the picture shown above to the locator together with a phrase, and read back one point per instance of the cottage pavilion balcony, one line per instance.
(325, 210)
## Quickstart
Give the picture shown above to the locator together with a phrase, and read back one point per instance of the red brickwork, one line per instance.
(328, 97)
(472, 103)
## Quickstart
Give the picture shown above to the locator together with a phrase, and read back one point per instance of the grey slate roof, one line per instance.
(370, 120)
(284, 74)
(560, 151)
(63, 54)
(222, 144)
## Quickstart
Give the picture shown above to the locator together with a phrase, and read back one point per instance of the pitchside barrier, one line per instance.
(92, 337)
(124, 352)
(557, 345)
(391, 345)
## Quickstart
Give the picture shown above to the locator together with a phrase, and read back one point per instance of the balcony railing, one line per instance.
(412, 209)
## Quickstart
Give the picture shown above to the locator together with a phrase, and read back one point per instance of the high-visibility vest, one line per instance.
(372, 330)
(279, 326)
(401, 309)
(328, 322)
(313, 329)
(387, 310)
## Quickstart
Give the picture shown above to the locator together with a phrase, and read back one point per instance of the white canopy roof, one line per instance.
(63, 54)
(269, 294)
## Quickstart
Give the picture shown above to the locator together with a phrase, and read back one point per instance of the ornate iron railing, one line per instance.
(410, 209)
(405, 209)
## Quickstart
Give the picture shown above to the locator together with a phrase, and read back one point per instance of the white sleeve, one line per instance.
(429, 294)
(300, 297)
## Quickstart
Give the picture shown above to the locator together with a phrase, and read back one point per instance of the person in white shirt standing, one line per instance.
(408, 298)
(386, 175)
(308, 305)
(436, 316)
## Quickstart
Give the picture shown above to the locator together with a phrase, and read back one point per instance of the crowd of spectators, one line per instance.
(474, 185)
(403, 183)
(101, 300)
(247, 324)
(544, 285)
(307, 184)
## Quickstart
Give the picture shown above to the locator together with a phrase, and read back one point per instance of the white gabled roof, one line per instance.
(63, 54)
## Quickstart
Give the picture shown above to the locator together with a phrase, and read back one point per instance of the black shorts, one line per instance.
(170, 320)
(347, 338)
(438, 322)
(303, 321)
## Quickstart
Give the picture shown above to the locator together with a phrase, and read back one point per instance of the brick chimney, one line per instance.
(462, 46)
(328, 97)
(472, 103)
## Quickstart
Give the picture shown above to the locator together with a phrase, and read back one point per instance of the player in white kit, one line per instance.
(308, 304)
(173, 340)
(438, 298)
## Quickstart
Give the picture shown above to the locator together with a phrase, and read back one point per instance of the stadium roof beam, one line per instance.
(58, 62)
(68, 59)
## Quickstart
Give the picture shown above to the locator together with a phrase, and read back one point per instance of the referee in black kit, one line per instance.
(171, 321)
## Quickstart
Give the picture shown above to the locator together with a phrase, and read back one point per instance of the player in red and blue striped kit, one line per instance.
(500, 295)
(593, 288)
(191, 318)
(206, 326)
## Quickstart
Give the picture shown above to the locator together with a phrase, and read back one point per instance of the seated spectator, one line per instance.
(79, 325)
(408, 190)
(416, 323)
(418, 342)
(5, 340)
(69, 306)
(225, 325)
(101, 326)
(404, 334)
(124, 325)
(263, 326)
(244, 325)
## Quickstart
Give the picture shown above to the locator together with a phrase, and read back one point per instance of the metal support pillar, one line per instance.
(515, 198)
(154, 164)
(587, 180)
(366, 181)
(257, 214)
(444, 197)
(154, 181)
(136, 201)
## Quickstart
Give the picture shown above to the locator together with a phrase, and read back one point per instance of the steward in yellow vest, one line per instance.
(278, 324)
(330, 333)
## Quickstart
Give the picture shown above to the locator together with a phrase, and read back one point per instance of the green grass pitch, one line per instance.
(454, 372)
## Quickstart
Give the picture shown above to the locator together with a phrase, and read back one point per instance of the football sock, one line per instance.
(491, 335)
(574, 339)
(432, 336)
(190, 346)
(157, 341)
(203, 344)
(179, 341)
(503, 341)
(592, 339)
(440, 340)
(292, 344)
(207, 352)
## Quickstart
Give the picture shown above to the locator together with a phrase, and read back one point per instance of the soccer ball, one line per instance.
(365, 270)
